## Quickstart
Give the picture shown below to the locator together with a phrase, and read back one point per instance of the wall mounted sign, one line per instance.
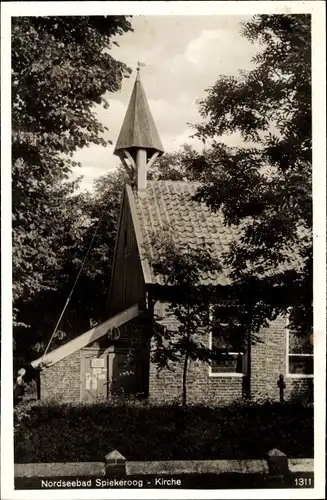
(97, 362)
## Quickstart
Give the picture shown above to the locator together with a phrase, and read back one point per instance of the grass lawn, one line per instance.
(83, 433)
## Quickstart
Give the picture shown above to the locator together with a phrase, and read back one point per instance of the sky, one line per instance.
(183, 56)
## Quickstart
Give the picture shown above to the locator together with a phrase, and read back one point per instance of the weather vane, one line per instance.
(139, 66)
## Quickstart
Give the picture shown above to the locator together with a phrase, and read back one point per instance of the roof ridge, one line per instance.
(170, 181)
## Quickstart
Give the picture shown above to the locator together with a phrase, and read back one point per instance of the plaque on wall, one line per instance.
(97, 363)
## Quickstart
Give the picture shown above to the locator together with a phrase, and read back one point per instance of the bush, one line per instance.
(23, 411)
(142, 431)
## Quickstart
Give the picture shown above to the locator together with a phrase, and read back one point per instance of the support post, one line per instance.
(277, 463)
(115, 464)
(141, 171)
(246, 386)
(152, 159)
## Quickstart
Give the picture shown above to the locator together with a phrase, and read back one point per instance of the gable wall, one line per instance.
(127, 283)
(127, 288)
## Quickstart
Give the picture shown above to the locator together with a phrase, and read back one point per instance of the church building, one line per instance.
(92, 367)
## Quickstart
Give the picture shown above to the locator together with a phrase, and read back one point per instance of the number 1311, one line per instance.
(303, 481)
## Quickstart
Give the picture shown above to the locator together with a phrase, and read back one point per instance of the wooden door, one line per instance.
(94, 371)
(122, 378)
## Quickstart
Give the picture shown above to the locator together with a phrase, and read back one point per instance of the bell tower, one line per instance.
(138, 144)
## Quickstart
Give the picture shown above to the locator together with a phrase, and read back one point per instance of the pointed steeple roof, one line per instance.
(139, 129)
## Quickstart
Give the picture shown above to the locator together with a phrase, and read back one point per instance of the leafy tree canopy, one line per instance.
(61, 67)
(174, 166)
(180, 269)
(264, 185)
(93, 219)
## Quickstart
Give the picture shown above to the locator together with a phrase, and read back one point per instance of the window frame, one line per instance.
(288, 373)
(228, 374)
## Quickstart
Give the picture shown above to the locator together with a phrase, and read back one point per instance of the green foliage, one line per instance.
(59, 71)
(140, 431)
(99, 210)
(61, 68)
(182, 270)
(174, 166)
(23, 411)
(264, 185)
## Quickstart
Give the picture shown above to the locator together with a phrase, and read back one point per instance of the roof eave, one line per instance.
(154, 149)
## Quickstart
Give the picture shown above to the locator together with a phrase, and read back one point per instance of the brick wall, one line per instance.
(299, 388)
(166, 385)
(62, 380)
(268, 362)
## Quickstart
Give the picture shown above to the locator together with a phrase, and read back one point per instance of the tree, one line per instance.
(88, 213)
(189, 301)
(94, 221)
(61, 69)
(174, 166)
(101, 209)
(264, 185)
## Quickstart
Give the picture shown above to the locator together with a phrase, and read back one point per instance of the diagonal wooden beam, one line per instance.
(152, 159)
(128, 168)
(130, 158)
(86, 338)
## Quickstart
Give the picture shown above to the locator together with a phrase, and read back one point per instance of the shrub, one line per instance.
(143, 431)
(23, 411)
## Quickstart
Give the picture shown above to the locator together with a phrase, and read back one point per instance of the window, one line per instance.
(300, 355)
(227, 340)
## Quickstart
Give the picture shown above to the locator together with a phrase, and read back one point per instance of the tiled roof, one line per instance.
(138, 129)
(171, 204)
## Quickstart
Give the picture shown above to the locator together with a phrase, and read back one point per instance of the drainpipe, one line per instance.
(249, 368)
(246, 389)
